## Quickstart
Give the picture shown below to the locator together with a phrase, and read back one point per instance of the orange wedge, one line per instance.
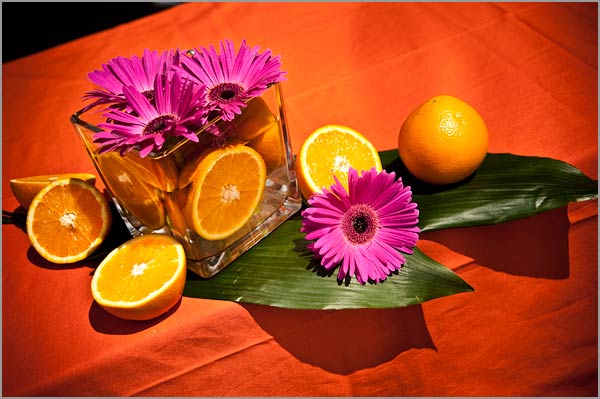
(141, 279)
(25, 188)
(332, 150)
(68, 220)
(228, 186)
(141, 199)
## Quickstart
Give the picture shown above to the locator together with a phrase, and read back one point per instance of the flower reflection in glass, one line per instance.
(232, 78)
(363, 229)
(175, 109)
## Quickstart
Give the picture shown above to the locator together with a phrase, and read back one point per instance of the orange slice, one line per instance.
(189, 173)
(141, 279)
(25, 188)
(68, 220)
(141, 199)
(332, 150)
(228, 186)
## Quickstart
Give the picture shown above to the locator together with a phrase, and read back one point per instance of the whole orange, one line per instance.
(443, 141)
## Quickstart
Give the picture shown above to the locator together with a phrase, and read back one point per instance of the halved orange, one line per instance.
(25, 188)
(332, 150)
(228, 187)
(141, 199)
(142, 278)
(68, 220)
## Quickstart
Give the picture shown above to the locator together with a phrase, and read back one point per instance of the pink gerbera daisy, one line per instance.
(176, 111)
(365, 229)
(231, 79)
(135, 72)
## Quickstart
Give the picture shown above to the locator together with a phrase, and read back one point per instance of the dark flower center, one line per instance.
(224, 93)
(359, 224)
(149, 94)
(227, 94)
(160, 124)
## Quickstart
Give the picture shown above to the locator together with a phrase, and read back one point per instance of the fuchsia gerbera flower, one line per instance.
(150, 99)
(177, 108)
(231, 79)
(135, 72)
(364, 229)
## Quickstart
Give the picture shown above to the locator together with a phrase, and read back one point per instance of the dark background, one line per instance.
(29, 27)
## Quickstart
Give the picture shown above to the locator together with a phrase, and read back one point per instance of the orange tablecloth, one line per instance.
(530, 327)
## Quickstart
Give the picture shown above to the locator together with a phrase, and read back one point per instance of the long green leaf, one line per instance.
(280, 270)
(505, 187)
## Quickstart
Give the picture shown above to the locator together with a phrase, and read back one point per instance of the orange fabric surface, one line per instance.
(530, 327)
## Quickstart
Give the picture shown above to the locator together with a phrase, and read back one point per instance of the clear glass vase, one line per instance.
(156, 194)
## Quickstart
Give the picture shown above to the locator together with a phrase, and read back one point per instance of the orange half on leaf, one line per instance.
(332, 150)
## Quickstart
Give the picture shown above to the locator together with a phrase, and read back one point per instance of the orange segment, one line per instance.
(25, 188)
(229, 185)
(141, 199)
(332, 150)
(68, 220)
(142, 278)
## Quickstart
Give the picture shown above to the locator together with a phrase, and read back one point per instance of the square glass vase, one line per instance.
(157, 193)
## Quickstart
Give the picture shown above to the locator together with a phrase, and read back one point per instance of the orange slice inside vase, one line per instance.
(228, 186)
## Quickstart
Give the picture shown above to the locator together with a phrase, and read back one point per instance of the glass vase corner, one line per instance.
(153, 194)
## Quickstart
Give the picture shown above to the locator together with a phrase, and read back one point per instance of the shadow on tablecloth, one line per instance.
(344, 341)
(536, 246)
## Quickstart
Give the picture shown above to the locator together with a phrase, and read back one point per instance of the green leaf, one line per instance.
(505, 187)
(280, 271)
(17, 218)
